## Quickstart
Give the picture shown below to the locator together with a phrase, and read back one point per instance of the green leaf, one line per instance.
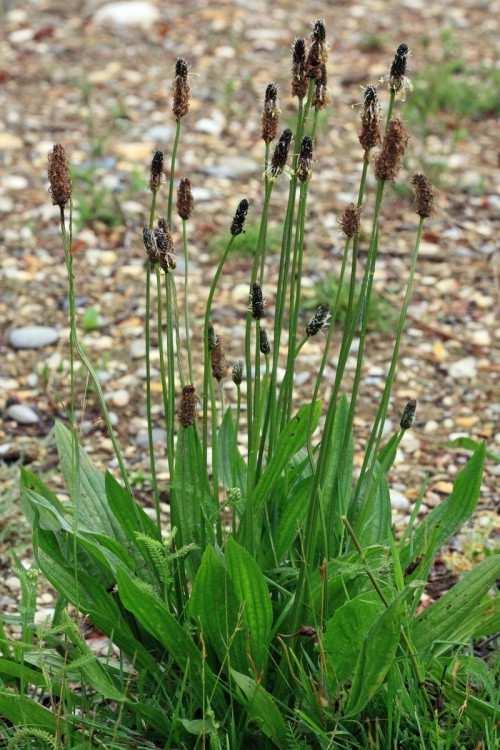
(192, 505)
(10, 668)
(456, 616)
(214, 604)
(127, 512)
(372, 521)
(292, 516)
(91, 506)
(376, 656)
(261, 708)
(472, 445)
(346, 632)
(232, 467)
(446, 518)
(252, 592)
(291, 440)
(23, 711)
(154, 616)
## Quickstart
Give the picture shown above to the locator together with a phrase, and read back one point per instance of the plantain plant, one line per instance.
(278, 607)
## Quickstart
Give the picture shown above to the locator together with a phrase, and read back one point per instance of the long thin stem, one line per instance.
(163, 369)
(206, 354)
(170, 373)
(186, 299)
(172, 173)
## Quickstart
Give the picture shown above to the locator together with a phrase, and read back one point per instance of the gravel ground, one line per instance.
(97, 79)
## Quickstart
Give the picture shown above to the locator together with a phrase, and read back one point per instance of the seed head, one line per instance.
(317, 51)
(150, 245)
(156, 171)
(320, 99)
(394, 144)
(184, 199)
(270, 114)
(264, 346)
(397, 74)
(217, 358)
(237, 226)
(369, 135)
(187, 406)
(408, 415)
(349, 221)
(165, 246)
(256, 301)
(299, 78)
(318, 320)
(304, 162)
(424, 195)
(181, 93)
(280, 155)
(59, 176)
(237, 373)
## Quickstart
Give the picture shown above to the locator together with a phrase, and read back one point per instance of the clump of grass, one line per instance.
(276, 607)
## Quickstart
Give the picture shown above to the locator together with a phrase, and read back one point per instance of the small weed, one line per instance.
(91, 319)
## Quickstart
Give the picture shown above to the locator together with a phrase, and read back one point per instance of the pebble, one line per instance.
(120, 397)
(399, 501)
(22, 414)
(159, 438)
(463, 368)
(15, 182)
(9, 142)
(431, 426)
(137, 349)
(13, 583)
(33, 337)
(134, 14)
(302, 377)
(231, 167)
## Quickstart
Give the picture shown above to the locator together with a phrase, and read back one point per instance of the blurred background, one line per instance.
(96, 77)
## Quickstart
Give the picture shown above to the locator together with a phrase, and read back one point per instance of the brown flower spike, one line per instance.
(389, 159)
(156, 171)
(304, 162)
(280, 155)
(408, 415)
(369, 135)
(181, 92)
(59, 176)
(317, 56)
(270, 114)
(299, 78)
(237, 373)
(217, 359)
(424, 195)
(398, 68)
(187, 407)
(349, 221)
(184, 199)
(165, 246)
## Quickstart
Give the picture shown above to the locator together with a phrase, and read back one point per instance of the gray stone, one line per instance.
(33, 337)
(464, 368)
(399, 501)
(22, 414)
(134, 14)
(231, 167)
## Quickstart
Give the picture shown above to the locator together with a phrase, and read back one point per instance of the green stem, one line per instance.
(206, 353)
(172, 173)
(147, 336)
(163, 369)
(175, 322)
(215, 458)
(170, 374)
(186, 299)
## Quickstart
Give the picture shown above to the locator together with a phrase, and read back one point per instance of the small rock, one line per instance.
(22, 414)
(120, 398)
(231, 167)
(9, 142)
(463, 368)
(138, 349)
(135, 14)
(431, 426)
(13, 583)
(159, 438)
(302, 377)
(213, 125)
(399, 501)
(481, 338)
(33, 337)
(15, 182)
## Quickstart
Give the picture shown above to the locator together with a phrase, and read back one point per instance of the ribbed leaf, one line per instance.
(253, 595)
(346, 632)
(292, 516)
(457, 615)
(215, 605)
(372, 522)
(262, 709)
(232, 467)
(23, 711)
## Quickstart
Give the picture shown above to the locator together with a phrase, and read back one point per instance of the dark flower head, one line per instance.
(164, 246)
(398, 68)
(319, 31)
(317, 56)
(238, 223)
(349, 221)
(408, 415)
(256, 301)
(280, 155)
(187, 407)
(184, 199)
(391, 154)
(304, 162)
(369, 135)
(424, 195)
(156, 171)
(264, 345)
(237, 373)
(320, 99)
(150, 245)
(217, 359)
(270, 114)
(181, 92)
(59, 176)
(299, 78)
(318, 320)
